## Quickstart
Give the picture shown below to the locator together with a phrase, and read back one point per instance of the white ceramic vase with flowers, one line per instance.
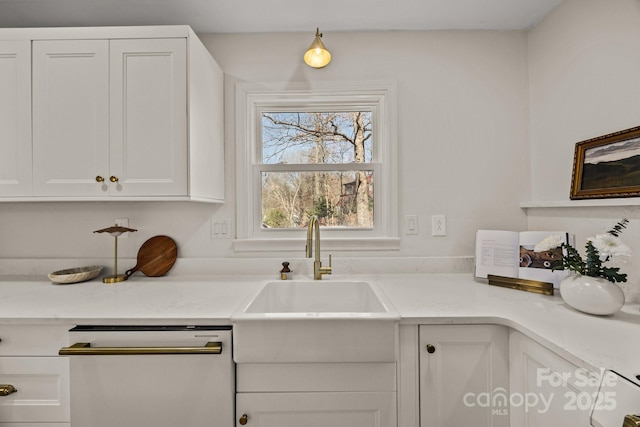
(593, 287)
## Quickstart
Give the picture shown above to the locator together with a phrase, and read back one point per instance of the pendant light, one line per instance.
(317, 56)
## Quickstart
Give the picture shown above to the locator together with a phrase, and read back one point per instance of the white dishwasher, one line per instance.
(151, 376)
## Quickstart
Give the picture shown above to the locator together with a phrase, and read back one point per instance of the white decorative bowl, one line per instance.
(593, 295)
(75, 275)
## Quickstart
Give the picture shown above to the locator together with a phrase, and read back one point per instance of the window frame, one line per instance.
(252, 99)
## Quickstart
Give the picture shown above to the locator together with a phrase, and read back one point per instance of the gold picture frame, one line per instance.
(607, 166)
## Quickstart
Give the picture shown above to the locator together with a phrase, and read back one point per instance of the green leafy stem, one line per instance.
(592, 266)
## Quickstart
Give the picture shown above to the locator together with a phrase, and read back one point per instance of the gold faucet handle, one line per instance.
(326, 270)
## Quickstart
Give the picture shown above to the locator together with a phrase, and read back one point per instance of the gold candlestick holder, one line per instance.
(115, 231)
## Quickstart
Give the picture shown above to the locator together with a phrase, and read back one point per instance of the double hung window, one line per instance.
(327, 152)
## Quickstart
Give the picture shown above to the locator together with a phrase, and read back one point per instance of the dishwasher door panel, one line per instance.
(159, 390)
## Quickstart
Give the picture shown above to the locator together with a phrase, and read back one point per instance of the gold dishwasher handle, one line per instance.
(85, 349)
(631, 421)
(7, 389)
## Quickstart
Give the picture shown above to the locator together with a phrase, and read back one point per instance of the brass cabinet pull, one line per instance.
(431, 348)
(99, 179)
(85, 349)
(243, 419)
(7, 389)
(631, 421)
(113, 178)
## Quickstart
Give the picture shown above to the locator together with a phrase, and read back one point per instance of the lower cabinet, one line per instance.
(42, 389)
(464, 375)
(30, 365)
(316, 395)
(546, 388)
(447, 376)
(335, 409)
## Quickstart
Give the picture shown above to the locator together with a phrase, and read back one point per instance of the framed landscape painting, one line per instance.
(607, 166)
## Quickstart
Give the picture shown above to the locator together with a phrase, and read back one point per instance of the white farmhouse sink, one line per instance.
(315, 321)
(317, 299)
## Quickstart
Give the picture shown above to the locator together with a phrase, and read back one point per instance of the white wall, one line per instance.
(583, 84)
(462, 117)
(583, 67)
(462, 139)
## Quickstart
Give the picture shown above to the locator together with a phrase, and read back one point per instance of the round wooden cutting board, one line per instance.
(156, 257)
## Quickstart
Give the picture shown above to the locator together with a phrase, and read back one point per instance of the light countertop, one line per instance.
(593, 342)
(157, 300)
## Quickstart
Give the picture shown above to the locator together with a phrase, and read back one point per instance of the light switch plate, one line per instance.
(411, 224)
(220, 228)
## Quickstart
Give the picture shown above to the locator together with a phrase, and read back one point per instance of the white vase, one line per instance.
(593, 295)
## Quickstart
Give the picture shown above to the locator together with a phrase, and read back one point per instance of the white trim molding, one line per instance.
(377, 97)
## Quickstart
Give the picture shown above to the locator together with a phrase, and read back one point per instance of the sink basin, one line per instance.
(314, 299)
(315, 321)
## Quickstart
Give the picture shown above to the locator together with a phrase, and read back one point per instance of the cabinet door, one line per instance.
(15, 118)
(464, 376)
(149, 117)
(350, 409)
(554, 391)
(70, 117)
(43, 389)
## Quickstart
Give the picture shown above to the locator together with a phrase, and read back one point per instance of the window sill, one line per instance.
(585, 203)
(328, 244)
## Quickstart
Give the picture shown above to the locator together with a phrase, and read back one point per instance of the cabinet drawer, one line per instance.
(339, 377)
(43, 389)
(33, 340)
(34, 424)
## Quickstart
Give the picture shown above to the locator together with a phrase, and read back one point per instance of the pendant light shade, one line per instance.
(317, 56)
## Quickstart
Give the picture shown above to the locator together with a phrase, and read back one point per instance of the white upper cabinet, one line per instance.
(15, 118)
(148, 94)
(121, 113)
(70, 117)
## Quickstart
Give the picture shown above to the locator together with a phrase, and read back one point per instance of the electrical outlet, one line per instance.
(220, 228)
(122, 222)
(438, 225)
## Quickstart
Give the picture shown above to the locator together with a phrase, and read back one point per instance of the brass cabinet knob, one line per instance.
(431, 348)
(243, 419)
(7, 389)
(99, 179)
(113, 178)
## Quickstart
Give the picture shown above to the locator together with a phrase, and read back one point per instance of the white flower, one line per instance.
(550, 242)
(609, 246)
